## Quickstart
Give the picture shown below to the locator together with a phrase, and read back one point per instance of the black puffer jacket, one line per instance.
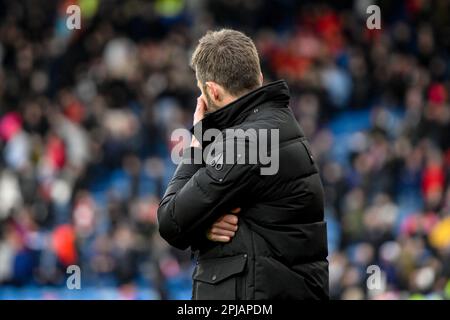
(280, 248)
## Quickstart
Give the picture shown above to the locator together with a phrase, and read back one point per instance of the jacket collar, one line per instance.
(274, 93)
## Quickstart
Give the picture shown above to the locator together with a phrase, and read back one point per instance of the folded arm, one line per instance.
(197, 196)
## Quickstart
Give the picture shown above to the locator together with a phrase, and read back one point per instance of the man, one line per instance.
(272, 244)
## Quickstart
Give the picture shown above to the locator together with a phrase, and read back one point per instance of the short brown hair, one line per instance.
(229, 58)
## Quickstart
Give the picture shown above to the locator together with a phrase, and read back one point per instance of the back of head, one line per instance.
(228, 58)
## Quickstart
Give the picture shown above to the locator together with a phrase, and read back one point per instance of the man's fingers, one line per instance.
(230, 218)
(200, 110)
(222, 232)
(236, 210)
(224, 228)
(218, 238)
(202, 101)
(225, 225)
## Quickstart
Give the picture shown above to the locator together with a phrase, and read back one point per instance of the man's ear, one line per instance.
(214, 91)
(261, 78)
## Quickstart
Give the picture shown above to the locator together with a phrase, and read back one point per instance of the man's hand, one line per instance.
(224, 228)
(200, 109)
(199, 114)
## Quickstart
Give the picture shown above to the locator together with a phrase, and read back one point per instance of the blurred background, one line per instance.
(86, 117)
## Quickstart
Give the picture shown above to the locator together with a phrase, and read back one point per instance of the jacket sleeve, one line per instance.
(197, 195)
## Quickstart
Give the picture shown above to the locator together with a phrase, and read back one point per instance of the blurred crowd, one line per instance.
(86, 117)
